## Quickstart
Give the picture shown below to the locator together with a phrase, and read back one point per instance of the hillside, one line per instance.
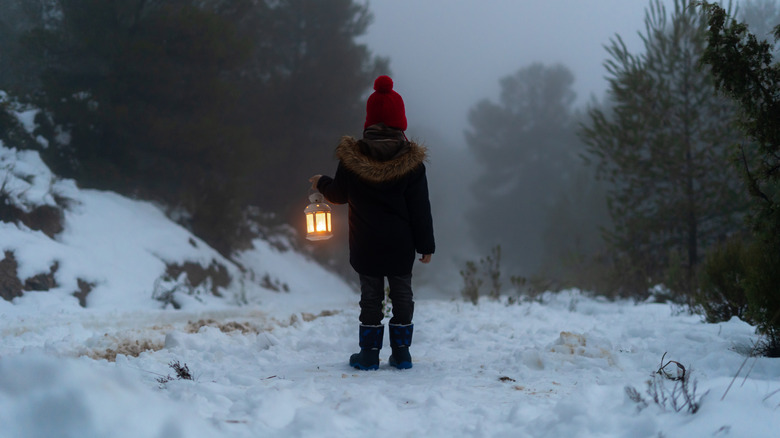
(103, 251)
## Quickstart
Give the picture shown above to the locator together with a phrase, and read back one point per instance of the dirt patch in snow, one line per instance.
(131, 348)
(306, 317)
(224, 327)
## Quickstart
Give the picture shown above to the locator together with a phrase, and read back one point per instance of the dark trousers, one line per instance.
(372, 296)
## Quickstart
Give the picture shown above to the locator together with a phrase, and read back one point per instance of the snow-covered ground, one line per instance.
(274, 363)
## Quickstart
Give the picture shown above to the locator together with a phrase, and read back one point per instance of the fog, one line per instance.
(446, 55)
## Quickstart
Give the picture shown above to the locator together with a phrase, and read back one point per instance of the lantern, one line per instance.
(318, 226)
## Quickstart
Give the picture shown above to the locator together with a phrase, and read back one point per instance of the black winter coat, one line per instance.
(382, 178)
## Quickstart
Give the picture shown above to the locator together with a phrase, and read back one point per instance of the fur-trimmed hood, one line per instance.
(407, 157)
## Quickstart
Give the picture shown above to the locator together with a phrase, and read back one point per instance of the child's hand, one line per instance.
(426, 258)
(314, 180)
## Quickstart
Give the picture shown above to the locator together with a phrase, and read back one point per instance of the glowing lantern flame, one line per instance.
(318, 221)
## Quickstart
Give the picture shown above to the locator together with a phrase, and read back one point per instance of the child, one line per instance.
(382, 178)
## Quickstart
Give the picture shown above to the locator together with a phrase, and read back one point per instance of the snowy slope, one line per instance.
(273, 363)
(118, 245)
(122, 247)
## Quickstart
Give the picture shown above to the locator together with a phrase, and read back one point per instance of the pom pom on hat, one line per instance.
(385, 105)
(383, 84)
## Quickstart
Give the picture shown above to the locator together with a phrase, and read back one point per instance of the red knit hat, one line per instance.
(385, 105)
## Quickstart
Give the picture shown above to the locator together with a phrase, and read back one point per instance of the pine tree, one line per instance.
(138, 91)
(663, 147)
(210, 107)
(19, 72)
(302, 89)
(526, 147)
(745, 70)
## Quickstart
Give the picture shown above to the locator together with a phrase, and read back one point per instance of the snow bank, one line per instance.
(46, 397)
(551, 369)
(120, 247)
(121, 250)
(27, 182)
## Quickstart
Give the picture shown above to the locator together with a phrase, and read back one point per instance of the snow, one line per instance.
(27, 181)
(274, 362)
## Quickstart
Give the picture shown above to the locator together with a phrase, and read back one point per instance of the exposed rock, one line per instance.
(45, 218)
(84, 289)
(42, 282)
(10, 285)
(197, 275)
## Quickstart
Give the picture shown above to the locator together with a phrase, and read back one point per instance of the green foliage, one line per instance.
(745, 70)
(208, 107)
(740, 279)
(19, 72)
(306, 91)
(762, 283)
(675, 278)
(722, 287)
(663, 148)
(138, 90)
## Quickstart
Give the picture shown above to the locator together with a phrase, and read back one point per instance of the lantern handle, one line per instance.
(315, 196)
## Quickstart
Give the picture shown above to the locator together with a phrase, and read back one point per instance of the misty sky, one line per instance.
(448, 54)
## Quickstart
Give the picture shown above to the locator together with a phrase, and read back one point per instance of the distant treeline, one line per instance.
(680, 198)
(208, 107)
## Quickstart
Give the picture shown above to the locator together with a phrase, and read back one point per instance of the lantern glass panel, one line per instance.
(309, 223)
(322, 223)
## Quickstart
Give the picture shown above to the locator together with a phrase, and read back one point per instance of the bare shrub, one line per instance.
(471, 282)
(488, 272)
(681, 397)
(273, 284)
(182, 373)
(529, 289)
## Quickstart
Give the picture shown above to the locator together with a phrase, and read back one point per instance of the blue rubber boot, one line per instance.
(370, 343)
(400, 340)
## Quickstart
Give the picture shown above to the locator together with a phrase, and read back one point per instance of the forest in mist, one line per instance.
(220, 110)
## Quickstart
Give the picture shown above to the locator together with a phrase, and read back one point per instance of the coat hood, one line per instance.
(380, 160)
